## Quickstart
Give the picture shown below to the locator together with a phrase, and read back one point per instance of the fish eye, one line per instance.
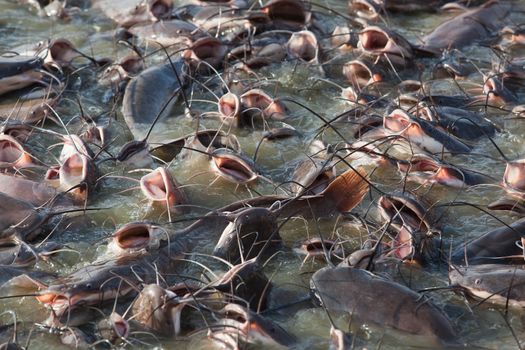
(477, 281)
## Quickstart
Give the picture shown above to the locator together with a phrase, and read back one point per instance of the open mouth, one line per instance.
(364, 9)
(229, 106)
(303, 45)
(209, 50)
(12, 154)
(61, 50)
(9, 152)
(514, 176)
(357, 73)
(396, 122)
(373, 40)
(72, 172)
(160, 186)
(58, 302)
(314, 247)
(233, 168)
(154, 186)
(256, 100)
(133, 236)
(321, 182)
(403, 245)
(424, 165)
(509, 205)
(401, 211)
(291, 11)
(236, 316)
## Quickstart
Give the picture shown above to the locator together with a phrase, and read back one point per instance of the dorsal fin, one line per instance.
(348, 189)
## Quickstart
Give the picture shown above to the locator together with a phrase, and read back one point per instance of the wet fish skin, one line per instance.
(497, 243)
(498, 284)
(384, 303)
(462, 123)
(14, 65)
(147, 93)
(467, 28)
(249, 230)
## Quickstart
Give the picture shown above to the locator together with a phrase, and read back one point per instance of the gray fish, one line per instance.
(467, 28)
(150, 93)
(246, 234)
(496, 246)
(459, 122)
(374, 300)
(13, 65)
(497, 284)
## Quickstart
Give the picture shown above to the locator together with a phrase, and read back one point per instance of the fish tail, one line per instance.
(348, 189)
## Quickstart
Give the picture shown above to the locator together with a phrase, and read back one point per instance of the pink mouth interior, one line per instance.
(229, 105)
(358, 74)
(403, 244)
(133, 237)
(396, 123)
(155, 186)
(514, 175)
(374, 40)
(233, 168)
(301, 46)
(9, 152)
(74, 167)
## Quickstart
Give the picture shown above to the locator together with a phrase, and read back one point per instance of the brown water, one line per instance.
(91, 32)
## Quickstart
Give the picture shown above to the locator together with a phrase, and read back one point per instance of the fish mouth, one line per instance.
(428, 169)
(229, 106)
(365, 9)
(397, 121)
(514, 176)
(253, 329)
(160, 186)
(256, 101)
(74, 170)
(403, 244)
(60, 302)
(289, 11)
(359, 74)
(12, 154)
(508, 204)
(377, 41)
(217, 139)
(312, 177)
(303, 45)
(400, 211)
(210, 50)
(420, 164)
(132, 149)
(496, 92)
(233, 168)
(374, 40)
(133, 236)
(321, 182)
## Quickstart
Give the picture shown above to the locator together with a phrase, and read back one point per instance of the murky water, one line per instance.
(92, 33)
